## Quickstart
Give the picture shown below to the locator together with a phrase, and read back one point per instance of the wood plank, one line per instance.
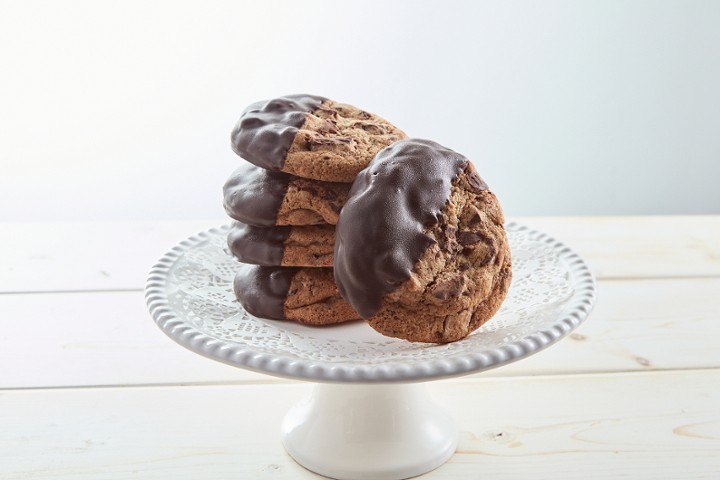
(108, 338)
(663, 425)
(67, 256)
(640, 246)
(112, 256)
(98, 338)
(638, 325)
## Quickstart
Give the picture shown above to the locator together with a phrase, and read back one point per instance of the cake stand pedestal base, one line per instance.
(368, 425)
(369, 431)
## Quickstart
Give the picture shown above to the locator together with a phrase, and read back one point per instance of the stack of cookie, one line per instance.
(302, 153)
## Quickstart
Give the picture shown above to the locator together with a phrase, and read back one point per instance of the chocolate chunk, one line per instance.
(329, 194)
(374, 128)
(476, 182)
(328, 127)
(468, 238)
(315, 143)
(450, 288)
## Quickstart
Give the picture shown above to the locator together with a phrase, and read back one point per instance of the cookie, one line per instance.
(311, 137)
(296, 246)
(256, 196)
(421, 251)
(304, 295)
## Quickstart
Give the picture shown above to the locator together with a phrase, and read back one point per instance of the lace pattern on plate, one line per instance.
(543, 299)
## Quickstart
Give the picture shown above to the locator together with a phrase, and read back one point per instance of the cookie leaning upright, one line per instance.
(420, 249)
(311, 137)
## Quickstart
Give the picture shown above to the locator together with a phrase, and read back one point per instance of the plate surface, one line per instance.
(189, 294)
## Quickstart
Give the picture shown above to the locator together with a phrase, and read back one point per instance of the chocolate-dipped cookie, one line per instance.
(256, 196)
(294, 246)
(421, 251)
(304, 295)
(311, 137)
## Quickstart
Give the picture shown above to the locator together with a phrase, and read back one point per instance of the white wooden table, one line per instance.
(90, 387)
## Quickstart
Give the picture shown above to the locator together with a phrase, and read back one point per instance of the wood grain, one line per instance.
(83, 256)
(109, 338)
(633, 393)
(663, 425)
(640, 247)
(117, 256)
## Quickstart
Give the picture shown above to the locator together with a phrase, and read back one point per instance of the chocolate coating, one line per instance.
(257, 245)
(253, 195)
(380, 234)
(266, 129)
(262, 290)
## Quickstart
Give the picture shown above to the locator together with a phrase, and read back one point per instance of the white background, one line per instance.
(122, 110)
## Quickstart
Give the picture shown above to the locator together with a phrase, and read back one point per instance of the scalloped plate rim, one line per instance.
(237, 354)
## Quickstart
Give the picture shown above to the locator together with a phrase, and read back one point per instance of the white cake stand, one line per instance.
(369, 416)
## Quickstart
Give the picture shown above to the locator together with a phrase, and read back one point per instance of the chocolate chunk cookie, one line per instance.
(305, 295)
(260, 197)
(421, 251)
(296, 246)
(311, 137)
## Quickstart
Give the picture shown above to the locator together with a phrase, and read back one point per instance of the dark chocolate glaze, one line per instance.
(262, 290)
(380, 233)
(258, 245)
(253, 195)
(266, 129)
